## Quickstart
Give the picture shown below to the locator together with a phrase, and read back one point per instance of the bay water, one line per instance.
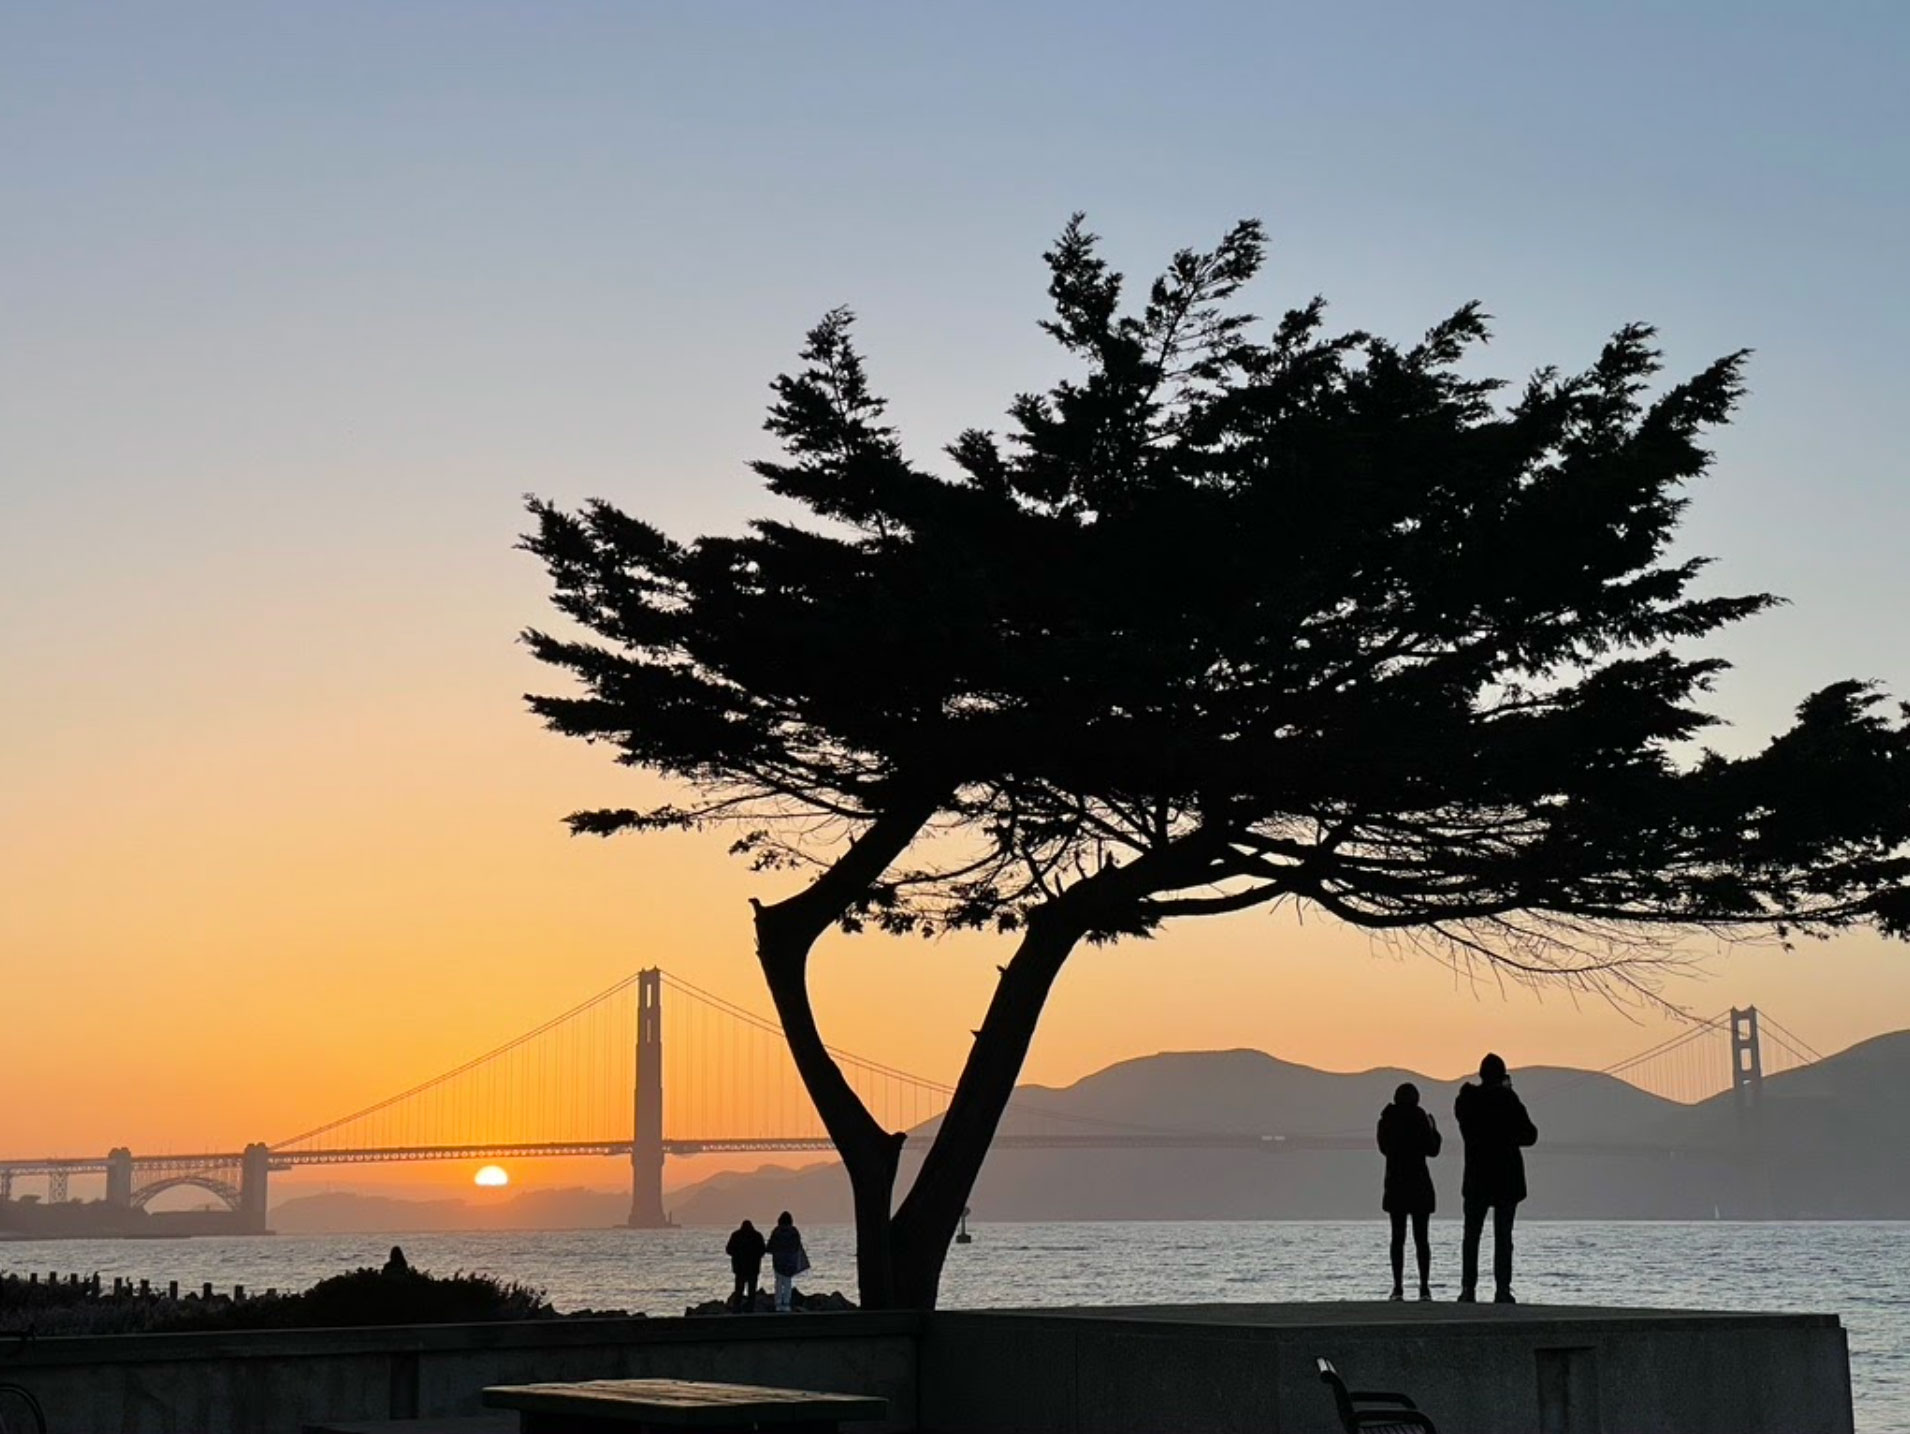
(1857, 1270)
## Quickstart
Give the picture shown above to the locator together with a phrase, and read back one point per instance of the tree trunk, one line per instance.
(786, 932)
(869, 1153)
(899, 1255)
(925, 1223)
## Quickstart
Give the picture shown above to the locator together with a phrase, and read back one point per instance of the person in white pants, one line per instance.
(787, 1258)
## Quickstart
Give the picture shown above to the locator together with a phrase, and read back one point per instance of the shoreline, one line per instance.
(16, 1237)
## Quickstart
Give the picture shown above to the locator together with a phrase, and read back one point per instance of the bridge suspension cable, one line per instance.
(728, 1074)
(1783, 1050)
(728, 1080)
(744, 1040)
(567, 1080)
(1696, 1064)
(1689, 1067)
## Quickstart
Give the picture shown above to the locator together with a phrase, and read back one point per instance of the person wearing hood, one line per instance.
(787, 1258)
(1496, 1129)
(1408, 1138)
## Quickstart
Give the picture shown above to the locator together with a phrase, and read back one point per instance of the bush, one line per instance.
(355, 1299)
(372, 1297)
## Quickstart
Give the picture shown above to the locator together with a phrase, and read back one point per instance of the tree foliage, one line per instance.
(1312, 614)
(1222, 621)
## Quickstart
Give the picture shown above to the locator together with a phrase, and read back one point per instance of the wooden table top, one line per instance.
(688, 1402)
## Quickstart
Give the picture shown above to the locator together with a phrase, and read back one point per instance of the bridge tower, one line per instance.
(1747, 1063)
(646, 1145)
(119, 1177)
(1747, 1092)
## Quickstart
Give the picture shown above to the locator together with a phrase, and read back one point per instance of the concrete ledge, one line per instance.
(279, 1381)
(54, 1351)
(1442, 1314)
(1471, 1367)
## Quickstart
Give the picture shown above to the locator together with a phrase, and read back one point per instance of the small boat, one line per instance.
(962, 1237)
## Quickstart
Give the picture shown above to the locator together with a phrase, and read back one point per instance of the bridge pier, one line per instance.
(646, 1145)
(119, 1177)
(253, 1167)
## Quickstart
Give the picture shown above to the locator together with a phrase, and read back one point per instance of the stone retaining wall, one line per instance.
(277, 1381)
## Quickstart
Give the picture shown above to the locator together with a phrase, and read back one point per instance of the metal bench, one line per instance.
(1385, 1413)
(635, 1406)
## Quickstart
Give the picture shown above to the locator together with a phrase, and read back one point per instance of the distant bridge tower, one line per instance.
(1747, 1091)
(1747, 1063)
(646, 1146)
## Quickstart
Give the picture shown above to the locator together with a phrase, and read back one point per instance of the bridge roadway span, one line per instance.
(240, 1178)
(279, 1160)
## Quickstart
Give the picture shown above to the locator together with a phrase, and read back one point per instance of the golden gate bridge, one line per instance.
(600, 1080)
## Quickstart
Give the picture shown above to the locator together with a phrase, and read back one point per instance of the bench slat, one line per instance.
(686, 1402)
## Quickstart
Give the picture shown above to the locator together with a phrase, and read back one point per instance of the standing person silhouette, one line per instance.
(787, 1258)
(1408, 1138)
(745, 1250)
(1495, 1128)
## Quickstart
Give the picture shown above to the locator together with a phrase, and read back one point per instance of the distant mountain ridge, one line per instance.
(1835, 1140)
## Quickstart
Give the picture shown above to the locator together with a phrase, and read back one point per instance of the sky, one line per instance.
(298, 301)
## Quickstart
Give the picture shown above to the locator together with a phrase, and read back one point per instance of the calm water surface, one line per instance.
(1857, 1270)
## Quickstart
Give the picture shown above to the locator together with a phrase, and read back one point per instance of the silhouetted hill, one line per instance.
(338, 1212)
(1252, 1092)
(1837, 1134)
(1838, 1143)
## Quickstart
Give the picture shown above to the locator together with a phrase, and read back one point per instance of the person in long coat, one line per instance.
(1408, 1138)
(745, 1250)
(1496, 1129)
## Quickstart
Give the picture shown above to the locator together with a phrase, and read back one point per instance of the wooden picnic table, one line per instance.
(638, 1406)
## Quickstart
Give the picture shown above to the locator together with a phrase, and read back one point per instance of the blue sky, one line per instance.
(314, 259)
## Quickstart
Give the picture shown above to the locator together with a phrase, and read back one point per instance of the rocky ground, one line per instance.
(766, 1304)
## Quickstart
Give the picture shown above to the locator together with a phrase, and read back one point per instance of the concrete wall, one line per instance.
(1486, 1369)
(1497, 1369)
(275, 1382)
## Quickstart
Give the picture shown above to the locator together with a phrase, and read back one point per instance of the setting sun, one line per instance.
(492, 1175)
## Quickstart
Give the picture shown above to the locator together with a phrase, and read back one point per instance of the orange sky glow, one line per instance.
(302, 300)
(246, 928)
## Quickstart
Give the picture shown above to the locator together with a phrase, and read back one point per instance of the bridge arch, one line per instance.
(224, 1189)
